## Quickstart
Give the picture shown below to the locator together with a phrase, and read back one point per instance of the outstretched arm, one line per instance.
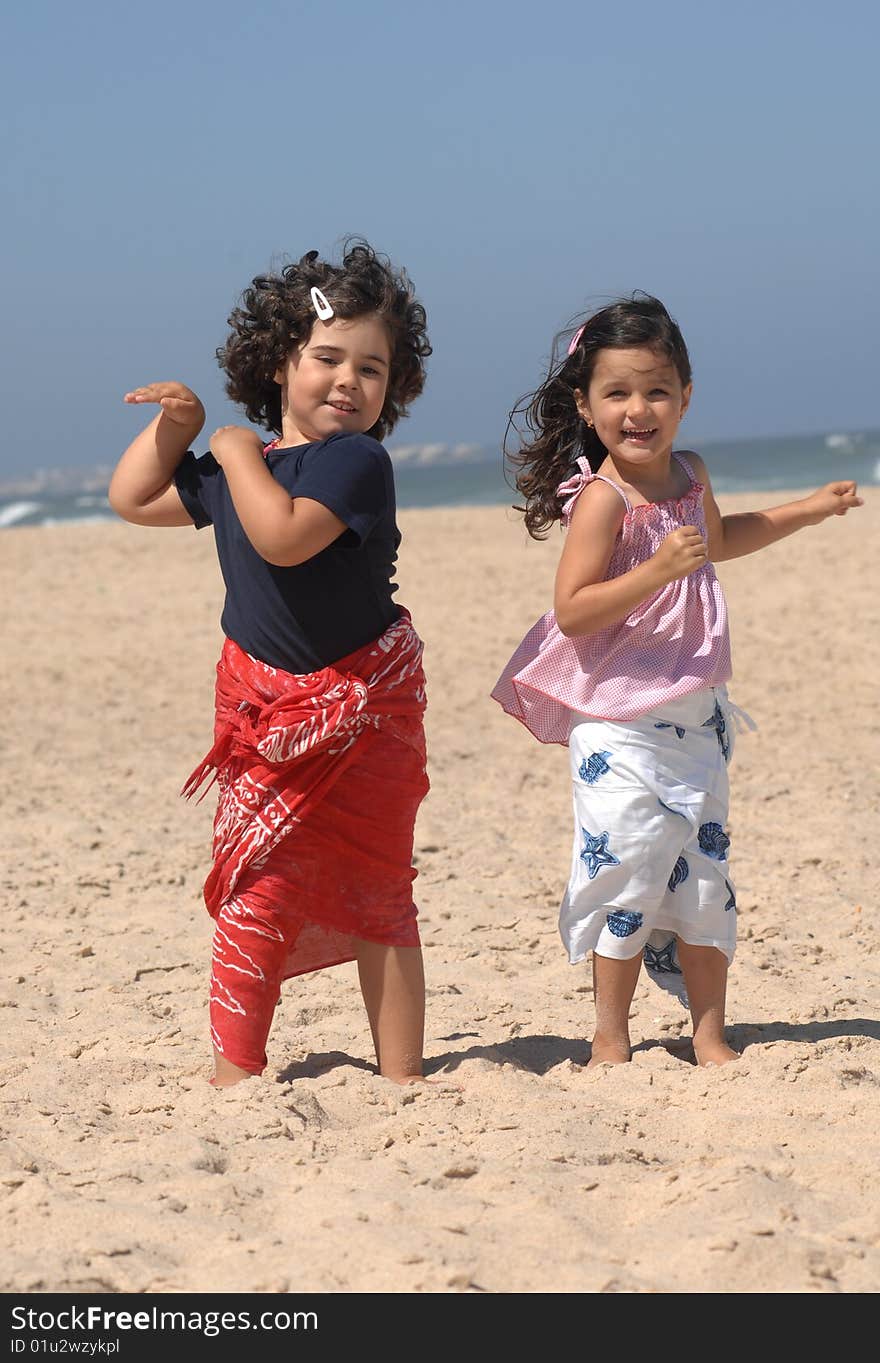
(142, 488)
(284, 530)
(748, 531)
(584, 602)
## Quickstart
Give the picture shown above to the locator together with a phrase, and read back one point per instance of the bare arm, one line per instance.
(583, 602)
(748, 531)
(284, 530)
(142, 487)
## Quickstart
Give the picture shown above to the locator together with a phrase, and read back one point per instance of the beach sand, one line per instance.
(519, 1170)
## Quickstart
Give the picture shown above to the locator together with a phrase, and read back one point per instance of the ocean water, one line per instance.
(759, 466)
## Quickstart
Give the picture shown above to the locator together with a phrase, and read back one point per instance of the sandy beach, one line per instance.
(518, 1171)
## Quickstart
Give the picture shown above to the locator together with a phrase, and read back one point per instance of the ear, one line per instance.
(686, 400)
(280, 375)
(580, 400)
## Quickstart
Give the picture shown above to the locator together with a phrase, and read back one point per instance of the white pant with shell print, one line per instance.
(649, 861)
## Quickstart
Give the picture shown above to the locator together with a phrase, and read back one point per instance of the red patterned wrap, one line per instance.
(320, 779)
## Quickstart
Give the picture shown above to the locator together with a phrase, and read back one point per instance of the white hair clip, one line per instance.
(321, 306)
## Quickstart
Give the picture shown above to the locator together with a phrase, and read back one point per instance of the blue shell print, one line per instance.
(714, 841)
(595, 853)
(593, 767)
(623, 924)
(680, 873)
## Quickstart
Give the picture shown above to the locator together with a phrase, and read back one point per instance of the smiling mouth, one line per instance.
(639, 435)
(344, 407)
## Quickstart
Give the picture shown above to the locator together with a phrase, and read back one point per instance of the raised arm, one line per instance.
(284, 530)
(748, 531)
(584, 603)
(142, 487)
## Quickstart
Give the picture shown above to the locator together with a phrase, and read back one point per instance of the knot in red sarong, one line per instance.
(282, 739)
(265, 712)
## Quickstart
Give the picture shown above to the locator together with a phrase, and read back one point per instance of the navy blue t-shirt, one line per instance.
(307, 616)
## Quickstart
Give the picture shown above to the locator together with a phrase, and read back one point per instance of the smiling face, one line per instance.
(635, 401)
(336, 381)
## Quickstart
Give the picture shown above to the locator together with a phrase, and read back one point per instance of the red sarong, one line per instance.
(321, 776)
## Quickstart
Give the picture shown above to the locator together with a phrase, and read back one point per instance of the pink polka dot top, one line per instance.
(673, 643)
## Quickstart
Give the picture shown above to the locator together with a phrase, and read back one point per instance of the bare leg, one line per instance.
(225, 1073)
(614, 983)
(393, 985)
(705, 975)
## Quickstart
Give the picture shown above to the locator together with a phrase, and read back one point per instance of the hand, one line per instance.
(834, 499)
(681, 553)
(178, 402)
(227, 441)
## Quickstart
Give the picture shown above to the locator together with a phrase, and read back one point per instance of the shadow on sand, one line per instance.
(539, 1054)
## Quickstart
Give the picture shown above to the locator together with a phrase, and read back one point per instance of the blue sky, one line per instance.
(523, 161)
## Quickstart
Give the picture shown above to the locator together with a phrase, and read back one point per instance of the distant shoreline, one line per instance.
(440, 475)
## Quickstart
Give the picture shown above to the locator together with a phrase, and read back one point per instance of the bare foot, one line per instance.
(714, 1053)
(608, 1053)
(226, 1074)
(403, 1079)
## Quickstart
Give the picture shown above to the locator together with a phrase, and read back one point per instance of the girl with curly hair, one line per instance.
(629, 668)
(319, 748)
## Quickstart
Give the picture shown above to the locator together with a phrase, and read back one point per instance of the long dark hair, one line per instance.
(559, 433)
(276, 314)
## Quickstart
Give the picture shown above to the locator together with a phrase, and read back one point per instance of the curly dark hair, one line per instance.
(550, 413)
(276, 314)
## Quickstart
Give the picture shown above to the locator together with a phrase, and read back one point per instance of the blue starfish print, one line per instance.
(677, 727)
(662, 959)
(593, 767)
(717, 722)
(595, 853)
